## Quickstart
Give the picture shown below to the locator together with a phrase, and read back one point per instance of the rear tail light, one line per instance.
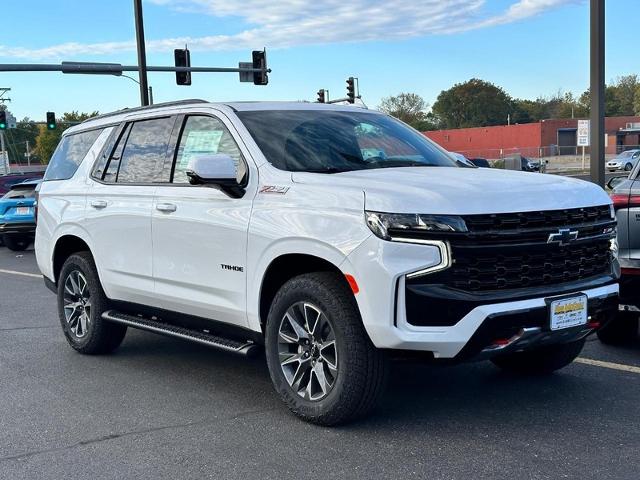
(625, 200)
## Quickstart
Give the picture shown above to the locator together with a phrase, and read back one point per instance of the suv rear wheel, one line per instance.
(81, 303)
(16, 243)
(321, 361)
(541, 361)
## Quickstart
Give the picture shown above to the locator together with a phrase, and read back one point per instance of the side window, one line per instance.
(101, 164)
(111, 172)
(205, 136)
(142, 159)
(69, 154)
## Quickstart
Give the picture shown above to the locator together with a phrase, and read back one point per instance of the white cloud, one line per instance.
(288, 23)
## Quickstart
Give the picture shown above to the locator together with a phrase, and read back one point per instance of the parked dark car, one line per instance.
(480, 162)
(18, 216)
(6, 181)
(625, 194)
(529, 165)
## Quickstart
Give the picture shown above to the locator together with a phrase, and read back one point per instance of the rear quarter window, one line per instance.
(20, 193)
(69, 154)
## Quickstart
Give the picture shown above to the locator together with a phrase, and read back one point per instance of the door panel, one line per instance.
(119, 206)
(200, 233)
(199, 245)
(119, 222)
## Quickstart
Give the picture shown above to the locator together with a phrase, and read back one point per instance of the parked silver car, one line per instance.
(624, 161)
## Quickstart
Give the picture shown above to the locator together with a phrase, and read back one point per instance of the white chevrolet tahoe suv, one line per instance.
(271, 225)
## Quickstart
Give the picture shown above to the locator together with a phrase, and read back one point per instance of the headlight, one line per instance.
(613, 246)
(406, 227)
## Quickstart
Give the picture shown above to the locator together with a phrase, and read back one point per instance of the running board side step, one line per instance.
(247, 348)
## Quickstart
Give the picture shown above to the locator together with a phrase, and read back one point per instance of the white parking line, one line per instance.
(612, 366)
(24, 274)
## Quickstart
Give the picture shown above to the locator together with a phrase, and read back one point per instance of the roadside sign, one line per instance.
(584, 127)
(245, 76)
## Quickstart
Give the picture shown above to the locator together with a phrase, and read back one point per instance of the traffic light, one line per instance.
(351, 90)
(260, 61)
(51, 121)
(321, 96)
(183, 59)
(3, 120)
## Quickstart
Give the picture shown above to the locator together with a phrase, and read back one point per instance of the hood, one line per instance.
(462, 191)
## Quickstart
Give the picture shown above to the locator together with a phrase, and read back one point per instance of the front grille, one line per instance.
(504, 222)
(497, 269)
(511, 251)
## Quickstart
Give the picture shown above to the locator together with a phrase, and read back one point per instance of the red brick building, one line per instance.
(545, 138)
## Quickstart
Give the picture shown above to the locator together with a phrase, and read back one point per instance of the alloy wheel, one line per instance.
(77, 303)
(307, 351)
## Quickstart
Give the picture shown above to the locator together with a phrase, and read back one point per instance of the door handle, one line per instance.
(166, 207)
(98, 204)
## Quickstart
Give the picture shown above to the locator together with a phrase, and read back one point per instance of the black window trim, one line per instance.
(122, 130)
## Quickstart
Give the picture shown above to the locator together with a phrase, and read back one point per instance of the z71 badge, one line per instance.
(273, 189)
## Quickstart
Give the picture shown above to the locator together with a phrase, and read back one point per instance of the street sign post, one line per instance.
(583, 136)
(584, 129)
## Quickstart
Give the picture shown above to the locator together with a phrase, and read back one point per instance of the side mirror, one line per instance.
(614, 182)
(219, 169)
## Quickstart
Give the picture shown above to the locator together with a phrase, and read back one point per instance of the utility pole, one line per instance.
(597, 91)
(142, 53)
(3, 151)
(5, 157)
(28, 153)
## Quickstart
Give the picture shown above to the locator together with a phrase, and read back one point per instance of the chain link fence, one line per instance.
(553, 159)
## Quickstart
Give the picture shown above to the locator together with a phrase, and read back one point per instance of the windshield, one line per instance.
(332, 141)
(627, 154)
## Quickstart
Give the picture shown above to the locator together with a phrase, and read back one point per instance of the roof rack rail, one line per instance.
(148, 107)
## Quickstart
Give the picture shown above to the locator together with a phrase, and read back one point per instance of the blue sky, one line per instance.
(529, 47)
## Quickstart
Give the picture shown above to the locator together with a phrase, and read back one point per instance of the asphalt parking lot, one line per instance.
(161, 408)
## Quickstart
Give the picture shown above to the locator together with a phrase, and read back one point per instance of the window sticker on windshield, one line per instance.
(203, 142)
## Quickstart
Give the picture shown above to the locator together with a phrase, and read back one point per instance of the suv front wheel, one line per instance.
(540, 361)
(321, 361)
(81, 303)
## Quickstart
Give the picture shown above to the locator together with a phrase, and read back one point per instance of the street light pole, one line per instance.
(597, 92)
(142, 54)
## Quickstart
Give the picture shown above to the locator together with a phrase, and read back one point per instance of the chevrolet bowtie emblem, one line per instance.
(563, 237)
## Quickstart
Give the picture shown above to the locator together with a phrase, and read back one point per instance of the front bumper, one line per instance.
(381, 268)
(28, 228)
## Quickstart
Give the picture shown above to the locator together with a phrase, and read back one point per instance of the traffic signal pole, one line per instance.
(597, 92)
(93, 68)
(142, 53)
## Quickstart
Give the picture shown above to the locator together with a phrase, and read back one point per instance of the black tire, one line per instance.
(361, 368)
(16, 243)
(628, 167)
(540, 361)
(100, 336)
(622, 329)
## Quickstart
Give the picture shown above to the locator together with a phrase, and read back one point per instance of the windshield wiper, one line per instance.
(327, 170)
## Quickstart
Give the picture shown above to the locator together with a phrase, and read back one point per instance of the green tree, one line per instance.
(411, 108)
(47, 140)
(17, 138)
(475, 103)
